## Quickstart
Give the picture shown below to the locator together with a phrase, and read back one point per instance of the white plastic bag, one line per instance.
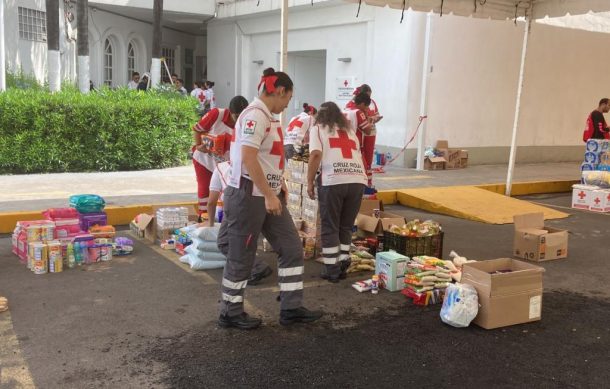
(460, 306)
(209, 234)
(197, 263)
(202, 245)
(205, 255)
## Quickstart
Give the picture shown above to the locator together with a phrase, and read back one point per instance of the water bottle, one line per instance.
(375, 284)
(376, 156)
(388, 157)
(219, 212)
(78, 259)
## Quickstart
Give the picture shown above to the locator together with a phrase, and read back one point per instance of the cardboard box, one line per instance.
(391, 268)
(368, 224)
(600, 201)
(582, 196)
(146, 226)
(510, 291)
(434, 163)
(536, 242)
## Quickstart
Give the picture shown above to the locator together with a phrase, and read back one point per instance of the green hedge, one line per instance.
(107, 130)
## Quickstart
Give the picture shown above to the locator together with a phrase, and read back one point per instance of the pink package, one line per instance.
(22, 246)
(65, 228)
(60, 213)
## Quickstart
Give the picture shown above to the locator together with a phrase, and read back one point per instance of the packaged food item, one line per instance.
(55, 257)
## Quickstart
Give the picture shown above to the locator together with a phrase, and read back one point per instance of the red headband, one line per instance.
(357, 91)
(310, 109)
(269, 82)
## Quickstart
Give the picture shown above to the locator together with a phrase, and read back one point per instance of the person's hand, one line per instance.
(311, 190)
(284, 191)
(273, 205)
(203, 148)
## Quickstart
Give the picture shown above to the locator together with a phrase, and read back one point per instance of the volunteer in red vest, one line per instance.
(358, 119)
(596, 123)
(218, 184)
(368, 140)
(297, 134)
(255, 204)
(334, 150)
(215, 122)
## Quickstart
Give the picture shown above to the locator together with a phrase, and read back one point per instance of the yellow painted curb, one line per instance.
(387, 197)
(532, 187)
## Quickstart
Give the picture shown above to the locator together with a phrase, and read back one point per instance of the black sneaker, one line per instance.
(333, 280)
(256, 279)
(243, 321)
(298, 315)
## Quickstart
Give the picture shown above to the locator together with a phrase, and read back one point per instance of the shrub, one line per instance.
(107, 130)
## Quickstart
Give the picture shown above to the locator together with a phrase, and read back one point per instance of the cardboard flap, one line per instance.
(512, 276)
(532, 231)
(529, 220)
(436, 159)
(442, 144)
(367, 223)
(386, 222)
(367, 206)
(144, 220)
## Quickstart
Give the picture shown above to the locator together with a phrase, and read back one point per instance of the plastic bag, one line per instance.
(202, 245)
(197, 263)
(87, 203)
(460, 306)
(209, 234)
(205, 255)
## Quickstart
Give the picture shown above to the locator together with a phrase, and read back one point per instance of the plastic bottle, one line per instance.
(388, 157)
(84, 247)
(375, 284)
(219, 211)
(376, 156)
(78, 259)
(70, 255)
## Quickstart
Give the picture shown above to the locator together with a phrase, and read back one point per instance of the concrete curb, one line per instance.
(123, 215)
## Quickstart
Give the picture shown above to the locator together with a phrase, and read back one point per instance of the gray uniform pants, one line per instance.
(339, 206)
(223, 245)
(247, 217)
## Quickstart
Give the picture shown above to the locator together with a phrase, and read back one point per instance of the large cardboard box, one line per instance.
(582, 196)
(454, 158)
(391, 268)
(536, 242)
(434, 163)
(146, 226)
(600, 201)
(510, 291)
(369, 224)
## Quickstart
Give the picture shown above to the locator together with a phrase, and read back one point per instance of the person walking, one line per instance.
(297, 133)
(337, 169)
(596, 127)
(216, 122)
(255, 203)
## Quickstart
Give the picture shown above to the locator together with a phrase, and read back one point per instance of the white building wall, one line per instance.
(472, 89)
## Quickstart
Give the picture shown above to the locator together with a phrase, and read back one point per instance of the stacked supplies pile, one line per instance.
(426, 279)
(203, 252)
(597, 155)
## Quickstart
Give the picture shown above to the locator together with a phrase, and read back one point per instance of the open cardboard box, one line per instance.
(453, 158)
(148, 225)
(536, 242)
(510, 291)
(369, 225)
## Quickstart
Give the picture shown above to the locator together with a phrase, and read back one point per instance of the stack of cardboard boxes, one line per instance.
(304, 210)
(447, 158)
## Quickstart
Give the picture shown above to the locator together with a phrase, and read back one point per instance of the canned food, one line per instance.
(47, 232)
(39, 258)
(55, 257)
(34, 233)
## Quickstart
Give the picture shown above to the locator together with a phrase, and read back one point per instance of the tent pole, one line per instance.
(423, 107)
(284, 44)
(513, 144)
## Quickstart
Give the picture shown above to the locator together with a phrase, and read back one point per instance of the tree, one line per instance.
(82, 22)
(155, 67)
(53, 57)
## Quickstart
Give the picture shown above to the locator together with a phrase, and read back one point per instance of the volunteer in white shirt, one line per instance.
(255, 204)
(210, 100)
(297, 134)
(357, 113)
(334, 149)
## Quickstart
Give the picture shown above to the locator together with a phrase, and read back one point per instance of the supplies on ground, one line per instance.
(361, 260)
(460, 305)
(68, 237)
(596, 156)
(202, 253)
(442, 157)
(426, 279)
(415, 238)
(594, 193)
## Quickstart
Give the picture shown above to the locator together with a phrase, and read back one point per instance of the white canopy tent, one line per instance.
(490, 9)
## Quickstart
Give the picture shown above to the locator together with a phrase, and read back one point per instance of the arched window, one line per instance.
(108, 52)
(131, 60)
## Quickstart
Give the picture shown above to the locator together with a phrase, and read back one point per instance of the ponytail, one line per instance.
(271, 80)
(309, 109)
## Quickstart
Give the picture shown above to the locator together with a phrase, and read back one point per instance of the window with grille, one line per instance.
(108, 62)
(32, 24)
(170, 58)
(131, 60)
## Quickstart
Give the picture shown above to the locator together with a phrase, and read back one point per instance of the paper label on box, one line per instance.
(535, 307)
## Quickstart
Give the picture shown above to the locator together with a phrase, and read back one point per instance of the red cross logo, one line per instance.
(597, 201)
(608, 198)
(345, 83)
(295, 123)
(582, 195)
(344, 143)
(250, 123)
(278, 147)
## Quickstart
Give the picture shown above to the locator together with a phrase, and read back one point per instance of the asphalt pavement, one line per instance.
(147, 321)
